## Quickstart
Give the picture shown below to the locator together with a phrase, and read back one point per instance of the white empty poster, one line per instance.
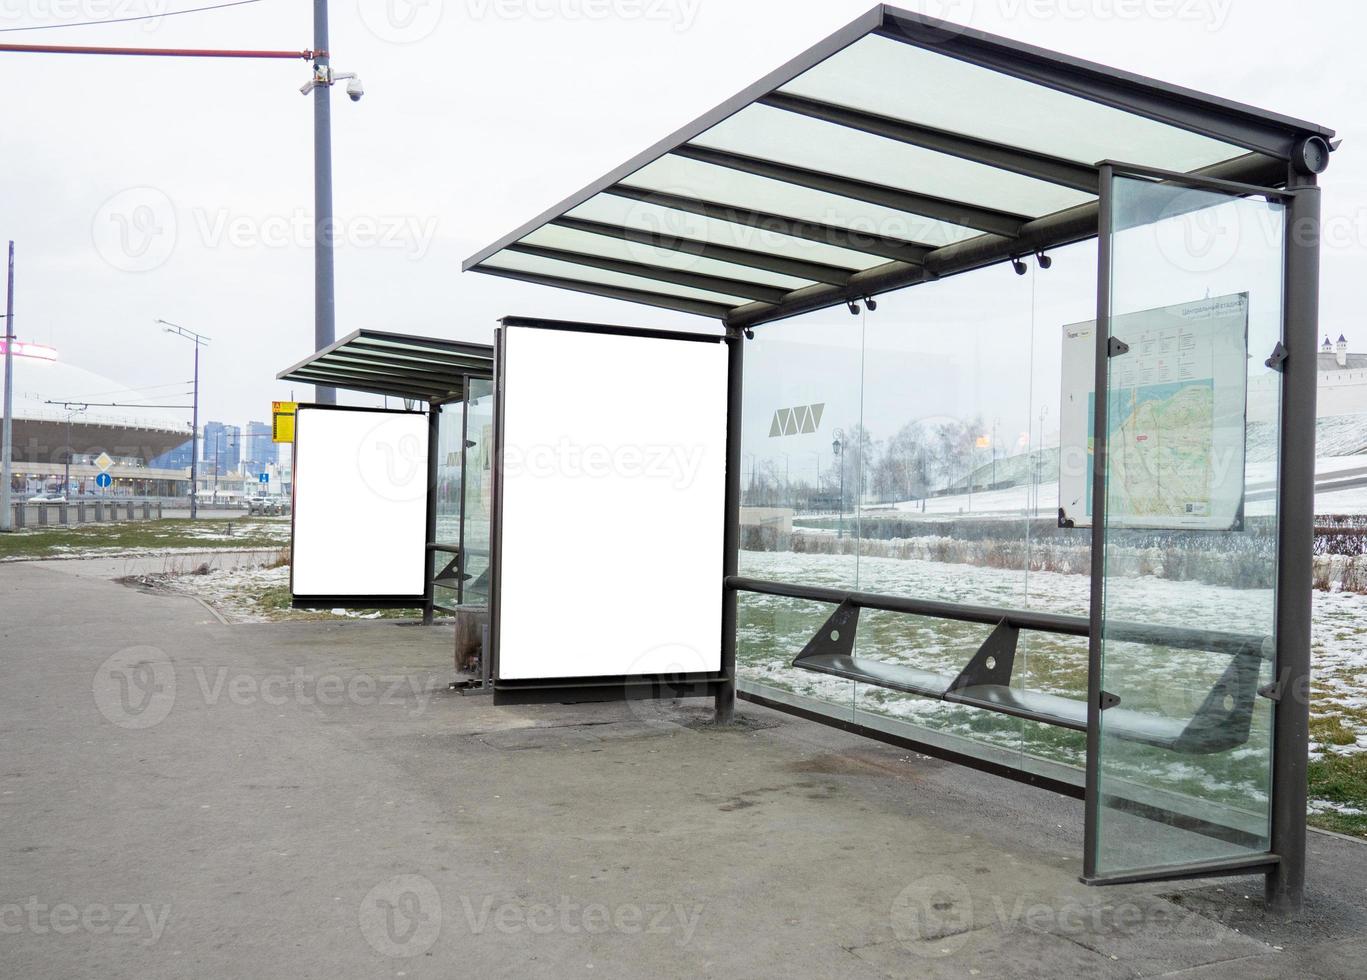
(360, 503)
(613, 482)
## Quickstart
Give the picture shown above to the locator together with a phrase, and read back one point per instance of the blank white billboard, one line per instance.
(613, 482)
(360, 503)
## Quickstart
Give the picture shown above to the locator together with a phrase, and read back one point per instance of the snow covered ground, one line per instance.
(1043, 500)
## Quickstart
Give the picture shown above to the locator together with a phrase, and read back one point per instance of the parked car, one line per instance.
(52, 497)
(266, 504)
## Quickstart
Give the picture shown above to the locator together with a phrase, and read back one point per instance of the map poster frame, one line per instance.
(1176, 416)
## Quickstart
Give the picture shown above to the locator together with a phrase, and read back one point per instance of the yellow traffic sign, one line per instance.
(282, 421)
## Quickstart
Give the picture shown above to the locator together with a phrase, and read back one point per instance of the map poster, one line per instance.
(1175, 417)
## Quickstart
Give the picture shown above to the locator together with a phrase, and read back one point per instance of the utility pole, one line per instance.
(324, 296)
(199, 341)
(7, 450)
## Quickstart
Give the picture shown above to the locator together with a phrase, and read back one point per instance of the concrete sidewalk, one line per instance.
(183, 798)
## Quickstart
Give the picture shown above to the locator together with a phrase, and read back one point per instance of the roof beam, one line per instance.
(413, 358)
(662, 300)
(679, 277)
(858, 241)
(376, 369)
(1075, 224)
(397, 381)
(1195, 112)
(376, 389)
(1028, 163)
(799, 268)
(955, 212)
(421, 346)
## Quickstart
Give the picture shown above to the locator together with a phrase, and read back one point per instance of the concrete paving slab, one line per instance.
(179, 797)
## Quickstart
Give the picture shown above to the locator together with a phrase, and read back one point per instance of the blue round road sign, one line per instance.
(103, 480)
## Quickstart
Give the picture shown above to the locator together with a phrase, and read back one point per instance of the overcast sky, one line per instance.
(182, 189)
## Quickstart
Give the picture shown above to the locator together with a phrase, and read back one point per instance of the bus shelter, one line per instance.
(415, 478)
(1015, 392)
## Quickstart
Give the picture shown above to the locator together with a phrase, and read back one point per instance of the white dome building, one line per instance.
(102, 416)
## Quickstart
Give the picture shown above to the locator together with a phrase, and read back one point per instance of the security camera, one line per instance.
(355, 90)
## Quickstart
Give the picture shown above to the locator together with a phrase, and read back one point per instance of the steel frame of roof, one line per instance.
(1272, 140)
(426, 369)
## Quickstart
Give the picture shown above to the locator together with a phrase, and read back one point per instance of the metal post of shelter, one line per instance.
(1295, 531)
(433, 449)
(725, 698)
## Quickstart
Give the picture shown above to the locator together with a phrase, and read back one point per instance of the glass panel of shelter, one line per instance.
(791, 138)
(944, 405)
(450, 421)
(892, 78)
(643, 216)
(1193, 433)
(799, 498)
(672, 174)
(478, 489)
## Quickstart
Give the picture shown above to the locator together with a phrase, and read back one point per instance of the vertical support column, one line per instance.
(1102, 332)
(489, 659)
(433, 447)
(1295, 534)
(464, 477)
(7, 425)
(726, 694)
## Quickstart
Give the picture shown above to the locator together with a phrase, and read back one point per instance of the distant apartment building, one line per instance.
(258, 450)
(175, 459)
(222, 447)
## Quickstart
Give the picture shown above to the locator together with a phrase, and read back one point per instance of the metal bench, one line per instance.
(1223, 720)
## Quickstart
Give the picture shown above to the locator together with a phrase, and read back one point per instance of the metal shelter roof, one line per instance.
(421, 368)
(898, 150)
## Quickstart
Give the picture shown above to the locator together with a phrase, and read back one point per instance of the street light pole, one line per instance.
(199, 341)
(324, 296)
(7, 450)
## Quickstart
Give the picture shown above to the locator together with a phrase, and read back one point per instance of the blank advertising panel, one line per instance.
(360, 504)
(613, 457)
